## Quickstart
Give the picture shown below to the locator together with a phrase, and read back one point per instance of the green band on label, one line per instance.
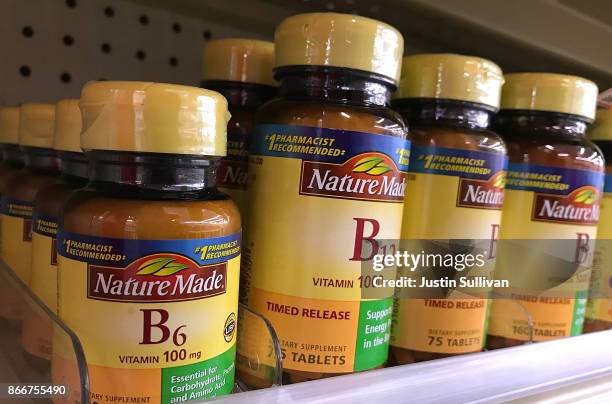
(579, 312)
(373, 333)
(198, 381)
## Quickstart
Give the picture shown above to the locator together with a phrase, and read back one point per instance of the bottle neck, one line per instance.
(40, 160)
(241, 95)
(73, 166)
(152, 174)
(12, 155)
(529, 123)
(334, 85)
(442, 112)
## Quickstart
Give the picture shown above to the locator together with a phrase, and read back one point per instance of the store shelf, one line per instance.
(524, 35)
(558, 370)
(51, 49)
(562, 36)
(573, 366)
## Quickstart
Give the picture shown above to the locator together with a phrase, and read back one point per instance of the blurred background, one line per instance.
(49, 48)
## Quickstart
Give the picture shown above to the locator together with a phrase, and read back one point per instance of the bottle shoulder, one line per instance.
(240, 123)
(605, 146)
(555, 151)
(24, 184)
(6, 172)
(457, 137)
(90, 212)
(368, 119)
(50, 198)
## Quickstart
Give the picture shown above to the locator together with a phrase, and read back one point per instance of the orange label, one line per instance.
(443, 325)
(297, 317)
(551, 318)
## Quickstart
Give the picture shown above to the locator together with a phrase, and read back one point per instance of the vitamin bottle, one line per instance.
(241, 70)
(150, 249)
(551, 208)
(12, 162)
(328, 163)
(37, 332)
(454, 197)
(12, 157)
(599, 306)
(36, 126)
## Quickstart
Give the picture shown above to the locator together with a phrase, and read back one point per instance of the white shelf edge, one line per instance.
(486, 377)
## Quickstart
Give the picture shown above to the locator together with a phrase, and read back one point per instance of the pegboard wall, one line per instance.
(50, 48)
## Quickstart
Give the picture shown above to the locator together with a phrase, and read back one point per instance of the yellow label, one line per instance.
(320, 201)
(165, 314)
(44, 268)
(452, 196)
(37, 330)
(17, 237)
(599, 306)
(546, 248)
(11, 302)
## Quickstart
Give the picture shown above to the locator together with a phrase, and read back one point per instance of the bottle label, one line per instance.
(44, 258)
(339, 192)
(453, 194)
(232, 174)
(599, 307)
(37, 331)
(17, 236)
(165, 314)
(546, 249)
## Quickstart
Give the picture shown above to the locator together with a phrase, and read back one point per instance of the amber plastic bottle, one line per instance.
(599, 307)
(150, 249)
(12, 157)
(12, 162)
(553, 189)
(307, 225)
(36, 126)
(37, 331)
(454, 194)
(240, 70)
